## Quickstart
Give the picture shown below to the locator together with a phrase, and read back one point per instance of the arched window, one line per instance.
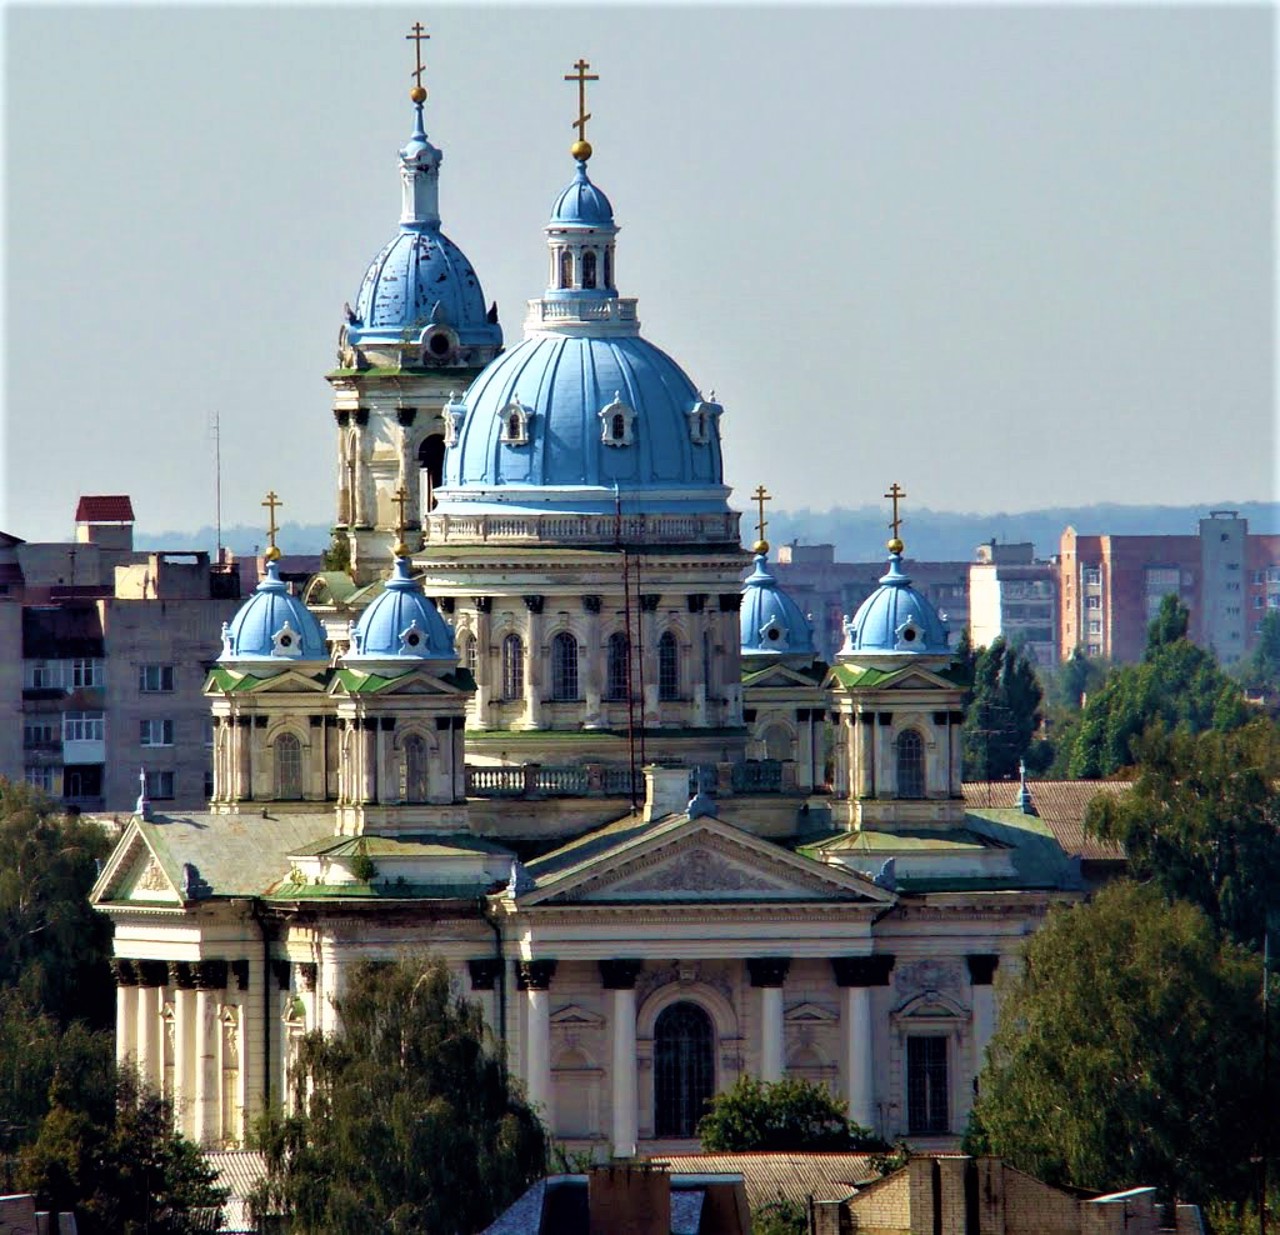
(927, 1086)
(469, 651)
(588, 269)
(615, 686)
(515, 430)
(910, 764)
(684, 1075)
(608, 268)
(566, 268)
(564, 667)
(619, 427)
(512, 667)
(668, 667)
(777, 742)
(415, 769)
(431, 463)
(288, 752)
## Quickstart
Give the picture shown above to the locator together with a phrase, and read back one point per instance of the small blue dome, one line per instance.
(420, 279)
(401, 624)
(770, 621)
(580, 419)
(581, 204)
(273, 625)
(896, 619)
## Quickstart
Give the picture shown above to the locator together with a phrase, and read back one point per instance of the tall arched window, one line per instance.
(589, 269)
(564, 667)
(668, 667)
(566, 268)
(469, 651)
(910, 764)
(431, 463)
(512, 667)
(415, 769)
(684, 1075)
(288, 752)
(615, 685)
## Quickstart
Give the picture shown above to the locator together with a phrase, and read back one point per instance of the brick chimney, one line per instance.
(666, 791)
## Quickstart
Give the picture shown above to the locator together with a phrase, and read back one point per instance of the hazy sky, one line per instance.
(1009, 257)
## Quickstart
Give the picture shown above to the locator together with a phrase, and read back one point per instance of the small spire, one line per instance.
(142, 808)
(1024, 802)
(760, 496)
(896, 493)
(418, 32)
(581, 149)
(272, 502)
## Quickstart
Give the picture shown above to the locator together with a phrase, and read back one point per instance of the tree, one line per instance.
(1177, 683)
(790, 1115)
(1077, 677)
(1129, 1052)
(1261, 672)
(115, 1159)
(1003, 714)
(405, 1116)
(54, 948)
(1202, 822)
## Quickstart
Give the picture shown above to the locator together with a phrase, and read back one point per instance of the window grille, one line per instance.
(512, 667)
(668, 667)
(683, 1069)
(910, 764)
(927, 1113)
(616, 667)
(564, 667)
(288, 767)
(415, 769)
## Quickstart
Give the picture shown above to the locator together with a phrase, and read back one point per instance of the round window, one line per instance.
(438, 344)
(286, 641)
(909, 635)
(774, 633)
(413, 641)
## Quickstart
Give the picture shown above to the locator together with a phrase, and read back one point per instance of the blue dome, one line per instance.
(565, 421)
(401, 624)
(581, 204)
(273, 625)
(420, 279)
(771, 623)
(895, 620)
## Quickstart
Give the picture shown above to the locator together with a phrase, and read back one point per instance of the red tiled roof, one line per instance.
(104, 508)
(1061, 804)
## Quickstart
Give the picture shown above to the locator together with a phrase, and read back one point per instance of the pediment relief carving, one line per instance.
(928, 975)
(809, 1014)
(571, 1015)
(148, 882)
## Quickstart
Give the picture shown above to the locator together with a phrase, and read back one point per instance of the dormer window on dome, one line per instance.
(515, 424)
(411, 639)
(285, 642)
(703, 419)
(774, 635)
(616, 420)
(908, 635)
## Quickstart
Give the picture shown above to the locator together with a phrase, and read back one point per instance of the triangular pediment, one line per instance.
(810, 1014)
(916, 679)
(704, 860)
(572, 1016)
(290, 682)
(779, 677)
(134, 873)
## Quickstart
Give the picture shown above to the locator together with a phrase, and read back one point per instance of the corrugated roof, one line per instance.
(104, 508)
(239, 1170)
(1061, 804)
(794, 1177)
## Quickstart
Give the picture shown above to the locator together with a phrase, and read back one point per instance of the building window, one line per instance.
(910, 764)
(927, 1113)
(86, 673)
(512, 667)
(155, 732)
(1258, 602)
(1093, 602)
(668, 667)
(469, 652)
(564, 667)
(415, 769)
(608, 268)
(1258, 576)
(208, 730)
(153, 678)
(160, 786)
(44, 674)
(1233, 585)
(1092, 576)
(566, 268)
(1095, 627)
(41, 778)
(83, 727)
(683, 1070)
(616, 667)
(589, 269)
(288, 760)
(40, 733)
(1094, 649)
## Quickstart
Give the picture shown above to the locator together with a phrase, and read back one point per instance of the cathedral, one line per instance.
(553, 724)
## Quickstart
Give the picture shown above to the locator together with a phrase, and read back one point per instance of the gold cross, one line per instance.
(416, 34)
(582, 77)
(761, 496)
(272, 554)
(399, 499)
(897, 493)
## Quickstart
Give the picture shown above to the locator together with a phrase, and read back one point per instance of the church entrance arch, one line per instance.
(684, 1074)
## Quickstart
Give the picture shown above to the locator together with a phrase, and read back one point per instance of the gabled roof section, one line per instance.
(104, 508)
(808, 676)
(1059, 804)
(869, 678)
(222, 680)
(414, 680)
(679, 859)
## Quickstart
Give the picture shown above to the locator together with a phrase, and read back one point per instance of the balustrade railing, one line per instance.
(611, 780)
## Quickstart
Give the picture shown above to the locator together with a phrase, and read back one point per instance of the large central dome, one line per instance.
(584, 416)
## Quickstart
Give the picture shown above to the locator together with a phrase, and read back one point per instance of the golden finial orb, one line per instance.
(895, 546)
(401, 550)
(272, 554)
(761, 546)
(418, 94)
(581, 150)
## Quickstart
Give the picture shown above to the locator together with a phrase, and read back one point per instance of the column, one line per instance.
(152, 976)
(533, 663)
(260, 767)
(535, 977)
(369, 759)
(388, 789)
(592, 666)
(484, 660)
(701, 667)
(126, 977)
(243, 764)
(211, 977)
(183, 977)
(649, 602)
(982, 973)
(957, 754)
(768, 973)
(344, 471)
(857, 975)
(804, 750)
(619, 977)
(485, 973)
(865, 736)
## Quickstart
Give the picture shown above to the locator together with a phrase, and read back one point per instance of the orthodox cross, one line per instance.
(582, 77)
(272, 503)
(416, 34)
(897, 493)
(398, 500)
(761, 496)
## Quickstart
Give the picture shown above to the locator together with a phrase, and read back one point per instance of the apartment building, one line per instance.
(1112, 586)
(1014, 595)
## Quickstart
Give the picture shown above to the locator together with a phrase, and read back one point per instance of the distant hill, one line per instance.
(858, 533)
